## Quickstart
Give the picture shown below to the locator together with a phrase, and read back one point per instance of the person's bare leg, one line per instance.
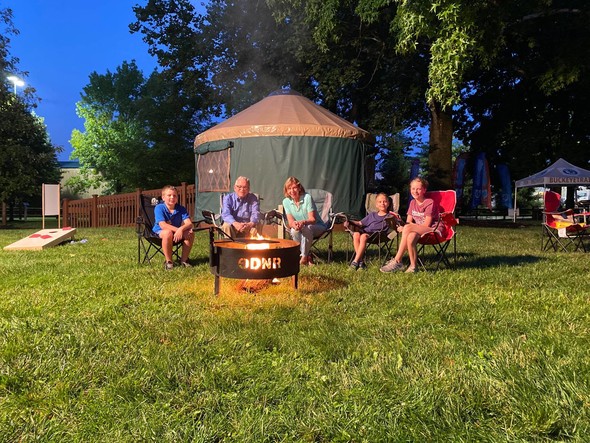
(362, 246)
(413, 238)
(187, 245)
(167, 240)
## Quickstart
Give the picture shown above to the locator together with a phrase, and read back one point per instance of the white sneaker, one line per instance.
(410, 270)
(391, 266)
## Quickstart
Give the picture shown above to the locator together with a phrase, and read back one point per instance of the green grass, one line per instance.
(95, 348)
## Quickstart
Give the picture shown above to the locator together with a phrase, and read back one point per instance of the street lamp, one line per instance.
(16, 82)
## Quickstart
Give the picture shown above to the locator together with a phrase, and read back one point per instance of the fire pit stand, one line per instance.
(253, 259)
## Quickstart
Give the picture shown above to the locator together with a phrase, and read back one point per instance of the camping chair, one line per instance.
(149, 242)
(216, 219)
(323, 202)
(560, 231)
(381, 241)
(446, 201)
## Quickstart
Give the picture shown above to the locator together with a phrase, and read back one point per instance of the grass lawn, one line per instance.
(95, 348)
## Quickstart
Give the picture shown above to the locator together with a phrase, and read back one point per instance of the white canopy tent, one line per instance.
(560, 173)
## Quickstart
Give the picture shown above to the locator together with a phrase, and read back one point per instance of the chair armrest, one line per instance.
(211, 218)
(448, 219)
(567, 212)
(336, 217)
(273, 217)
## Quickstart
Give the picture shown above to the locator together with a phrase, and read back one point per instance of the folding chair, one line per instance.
(382, 241)
(323, 202)
(560, 231)
(216, 219)
(444, 233)
(149, 242)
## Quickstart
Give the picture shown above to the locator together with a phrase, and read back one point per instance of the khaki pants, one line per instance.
(228, 229)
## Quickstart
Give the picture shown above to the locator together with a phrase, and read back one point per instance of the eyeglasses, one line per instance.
(241, 187)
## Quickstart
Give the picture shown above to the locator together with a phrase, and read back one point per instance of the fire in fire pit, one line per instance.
(257, 259)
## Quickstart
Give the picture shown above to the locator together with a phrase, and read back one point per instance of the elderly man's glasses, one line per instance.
(241, 187)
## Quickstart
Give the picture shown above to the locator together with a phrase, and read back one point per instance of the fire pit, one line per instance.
(257, 259)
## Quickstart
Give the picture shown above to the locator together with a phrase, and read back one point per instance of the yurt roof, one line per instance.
(284, 113)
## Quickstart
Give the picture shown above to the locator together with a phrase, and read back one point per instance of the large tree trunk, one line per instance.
(440, 148)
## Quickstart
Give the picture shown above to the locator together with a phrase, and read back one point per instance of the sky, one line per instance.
(61, 42)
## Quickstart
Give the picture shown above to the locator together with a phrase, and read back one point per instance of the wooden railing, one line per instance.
(116, 210)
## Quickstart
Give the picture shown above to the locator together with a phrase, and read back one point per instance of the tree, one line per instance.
(27, 157)
(138, 131)
(247, 53)
(530, 107)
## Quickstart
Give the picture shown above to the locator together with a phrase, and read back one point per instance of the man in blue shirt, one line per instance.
(240, 210)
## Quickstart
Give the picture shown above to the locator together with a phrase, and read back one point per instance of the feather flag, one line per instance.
(459, 174)
(505, 186)
(482, 192)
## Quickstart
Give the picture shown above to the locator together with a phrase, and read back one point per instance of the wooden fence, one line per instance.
(116, 210)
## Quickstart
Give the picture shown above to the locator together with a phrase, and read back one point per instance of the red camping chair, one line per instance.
(446, 201)
(560, 231)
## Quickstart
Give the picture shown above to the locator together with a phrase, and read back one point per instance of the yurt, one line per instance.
(283, 135)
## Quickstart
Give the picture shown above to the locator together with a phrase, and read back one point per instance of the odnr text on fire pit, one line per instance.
(256, 259)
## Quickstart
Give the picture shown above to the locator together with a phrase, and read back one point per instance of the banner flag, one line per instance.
(482, 192)
(459, 174)
(505, 186)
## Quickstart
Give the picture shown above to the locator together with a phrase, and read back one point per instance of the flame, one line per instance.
(257, 245)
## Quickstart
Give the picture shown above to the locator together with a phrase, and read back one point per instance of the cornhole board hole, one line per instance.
(45, 238)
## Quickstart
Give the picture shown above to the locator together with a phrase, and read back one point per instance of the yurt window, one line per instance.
(213, 171)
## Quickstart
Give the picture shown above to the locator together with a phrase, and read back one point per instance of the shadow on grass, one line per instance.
(474, 261)
(314, 284)
(198, 261)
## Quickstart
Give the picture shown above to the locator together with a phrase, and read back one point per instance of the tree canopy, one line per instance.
(138, 131)
(27, 157)
(536, 48)
(247, 53)
(498, 76)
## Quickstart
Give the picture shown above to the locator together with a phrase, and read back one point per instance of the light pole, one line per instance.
(16, 82)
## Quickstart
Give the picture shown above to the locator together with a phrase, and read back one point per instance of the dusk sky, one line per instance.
(61, 43)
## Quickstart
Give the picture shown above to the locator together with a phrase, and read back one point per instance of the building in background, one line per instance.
(70, 169)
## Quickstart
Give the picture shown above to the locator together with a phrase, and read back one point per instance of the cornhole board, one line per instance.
(45, 238)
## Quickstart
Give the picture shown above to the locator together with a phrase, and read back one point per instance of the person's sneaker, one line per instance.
(391, 266)
(362, 266)
(185, 264)
(168, 265)
(410, 270)
(354, 266)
